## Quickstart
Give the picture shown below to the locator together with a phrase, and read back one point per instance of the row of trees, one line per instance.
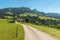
(39, 21)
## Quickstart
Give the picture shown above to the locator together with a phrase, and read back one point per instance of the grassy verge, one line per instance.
(8, 31)
(53, 31)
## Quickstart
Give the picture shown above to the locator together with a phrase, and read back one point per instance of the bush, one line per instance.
(11, 21)
(37, 23)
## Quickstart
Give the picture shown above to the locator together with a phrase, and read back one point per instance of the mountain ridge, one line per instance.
(19, 10)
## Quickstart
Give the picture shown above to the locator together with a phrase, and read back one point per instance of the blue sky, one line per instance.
(41, 5)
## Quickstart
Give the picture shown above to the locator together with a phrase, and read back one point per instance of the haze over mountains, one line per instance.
(19, 10)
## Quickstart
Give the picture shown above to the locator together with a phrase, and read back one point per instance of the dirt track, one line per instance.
(34, 34)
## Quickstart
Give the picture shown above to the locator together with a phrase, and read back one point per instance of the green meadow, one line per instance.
(8, 31)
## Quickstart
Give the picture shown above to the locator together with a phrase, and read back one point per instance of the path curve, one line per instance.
(34, 34)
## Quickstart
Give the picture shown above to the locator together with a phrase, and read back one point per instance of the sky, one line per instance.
(52, 6)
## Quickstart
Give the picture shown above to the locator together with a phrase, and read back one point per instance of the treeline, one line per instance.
(39, 21)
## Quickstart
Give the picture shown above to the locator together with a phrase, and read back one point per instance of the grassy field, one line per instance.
(8, 31)
(53, 31)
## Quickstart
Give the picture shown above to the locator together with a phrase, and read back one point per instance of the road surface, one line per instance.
(35, 34)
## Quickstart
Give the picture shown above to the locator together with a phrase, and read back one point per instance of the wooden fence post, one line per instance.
(16, 31)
